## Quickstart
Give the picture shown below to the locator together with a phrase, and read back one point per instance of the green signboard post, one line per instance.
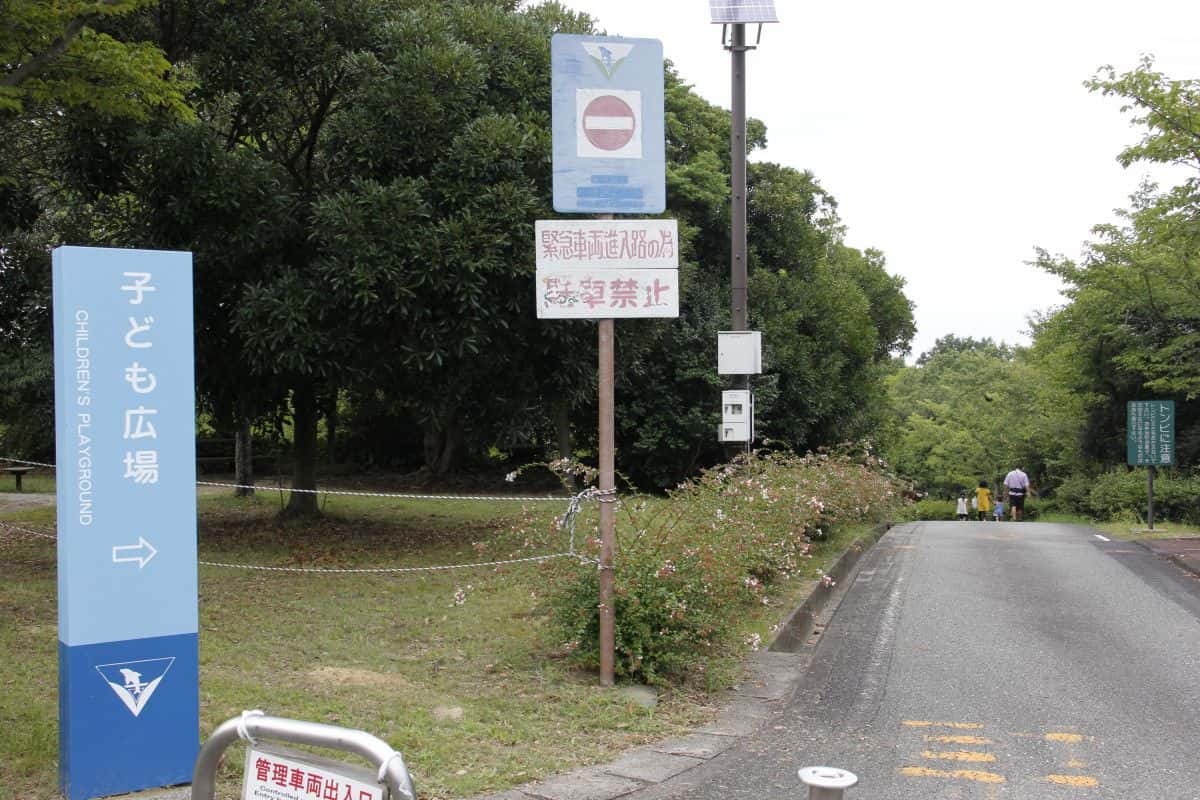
(1150, 441)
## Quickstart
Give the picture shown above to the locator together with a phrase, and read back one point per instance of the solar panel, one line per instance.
(739, 11)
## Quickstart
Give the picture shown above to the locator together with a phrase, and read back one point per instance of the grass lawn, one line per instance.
(1134, 532)
(38, 481)
(1129, 530)
(457, 669)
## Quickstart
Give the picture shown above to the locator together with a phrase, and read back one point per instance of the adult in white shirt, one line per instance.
(1017, 484)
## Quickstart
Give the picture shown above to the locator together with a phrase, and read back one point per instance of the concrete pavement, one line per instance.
(1184, 551)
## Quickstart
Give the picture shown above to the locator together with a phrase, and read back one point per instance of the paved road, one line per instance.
(990, 660)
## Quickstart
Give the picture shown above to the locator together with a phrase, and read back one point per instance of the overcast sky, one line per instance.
(956, 137)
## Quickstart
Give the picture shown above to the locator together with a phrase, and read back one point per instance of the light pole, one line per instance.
(733, 16)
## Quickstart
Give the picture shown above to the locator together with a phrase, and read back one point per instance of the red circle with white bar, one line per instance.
(609, 123)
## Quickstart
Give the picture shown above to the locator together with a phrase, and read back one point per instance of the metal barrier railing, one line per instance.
(252, 726)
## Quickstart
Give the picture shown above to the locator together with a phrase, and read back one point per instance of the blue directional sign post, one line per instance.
(609, 143)
(129, 711)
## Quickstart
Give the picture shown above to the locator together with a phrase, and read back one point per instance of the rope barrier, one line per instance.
(30, 463)
(29, 531)
(574, 506)
(382, 570)
(397, 495)
(401, 496)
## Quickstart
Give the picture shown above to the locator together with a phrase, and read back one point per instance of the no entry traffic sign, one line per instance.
(609, 143)
(608, 124)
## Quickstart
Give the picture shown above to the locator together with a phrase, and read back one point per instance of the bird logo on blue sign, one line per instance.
(135, 681)
(608, 56)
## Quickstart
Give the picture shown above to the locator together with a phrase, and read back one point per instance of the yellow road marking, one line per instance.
(966, 774)
(958, 739)
(958, 755)
(1073, 780)
(922, 723)
(1064, 737)
(1075, 763)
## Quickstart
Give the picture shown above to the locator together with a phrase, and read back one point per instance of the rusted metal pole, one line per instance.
(1149, 496)
(607, 485)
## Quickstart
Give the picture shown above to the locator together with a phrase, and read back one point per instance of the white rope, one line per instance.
(344, 570)
(383, 767)
(242, 731)
(574, 506)
(31, 463)
(520, 498)
(27, 530)
(402, 496)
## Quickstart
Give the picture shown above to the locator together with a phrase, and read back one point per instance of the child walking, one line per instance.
(962, 507)
(983, 501)
(998, 511)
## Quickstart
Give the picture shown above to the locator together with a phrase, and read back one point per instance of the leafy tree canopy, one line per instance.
(56, 53)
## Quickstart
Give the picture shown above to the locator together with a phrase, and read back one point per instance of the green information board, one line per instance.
(1150, 432)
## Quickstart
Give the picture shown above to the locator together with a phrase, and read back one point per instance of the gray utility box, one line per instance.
(737, 416)
(739, 352)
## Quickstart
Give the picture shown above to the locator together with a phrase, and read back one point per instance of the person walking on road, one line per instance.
(1017, 484)
(961, 508)
(983, 501)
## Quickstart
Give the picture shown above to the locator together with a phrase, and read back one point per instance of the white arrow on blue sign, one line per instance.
(607, 111)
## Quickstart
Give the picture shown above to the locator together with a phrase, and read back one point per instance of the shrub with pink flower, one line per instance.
(688, 565)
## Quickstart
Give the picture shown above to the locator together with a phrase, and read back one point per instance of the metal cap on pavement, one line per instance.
(827, 782)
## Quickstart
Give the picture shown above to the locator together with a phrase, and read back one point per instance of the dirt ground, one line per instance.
(13, 500)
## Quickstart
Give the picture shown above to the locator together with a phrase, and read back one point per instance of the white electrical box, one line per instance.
(737, 416)
(739, 352)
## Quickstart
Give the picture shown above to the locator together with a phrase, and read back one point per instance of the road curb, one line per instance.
(795, 630)
(1188, 564)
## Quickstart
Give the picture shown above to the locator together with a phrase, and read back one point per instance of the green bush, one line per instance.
(685, 565)
(930, 509)
(1120, 493)
(1073, 496)
(934, 510)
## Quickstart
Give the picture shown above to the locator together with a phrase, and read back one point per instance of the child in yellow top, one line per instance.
(983, 500)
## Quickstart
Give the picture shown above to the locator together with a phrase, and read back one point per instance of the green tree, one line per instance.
(58, 54)
(57, 60)
(970, 410)
(1132, 327)
(395, 156)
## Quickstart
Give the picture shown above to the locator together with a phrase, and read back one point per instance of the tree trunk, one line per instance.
(304, 453)
(331, 423)
(562, 429)
(443, 448)
(243, 460)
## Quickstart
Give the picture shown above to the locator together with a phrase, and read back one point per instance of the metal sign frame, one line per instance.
(253, 726)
